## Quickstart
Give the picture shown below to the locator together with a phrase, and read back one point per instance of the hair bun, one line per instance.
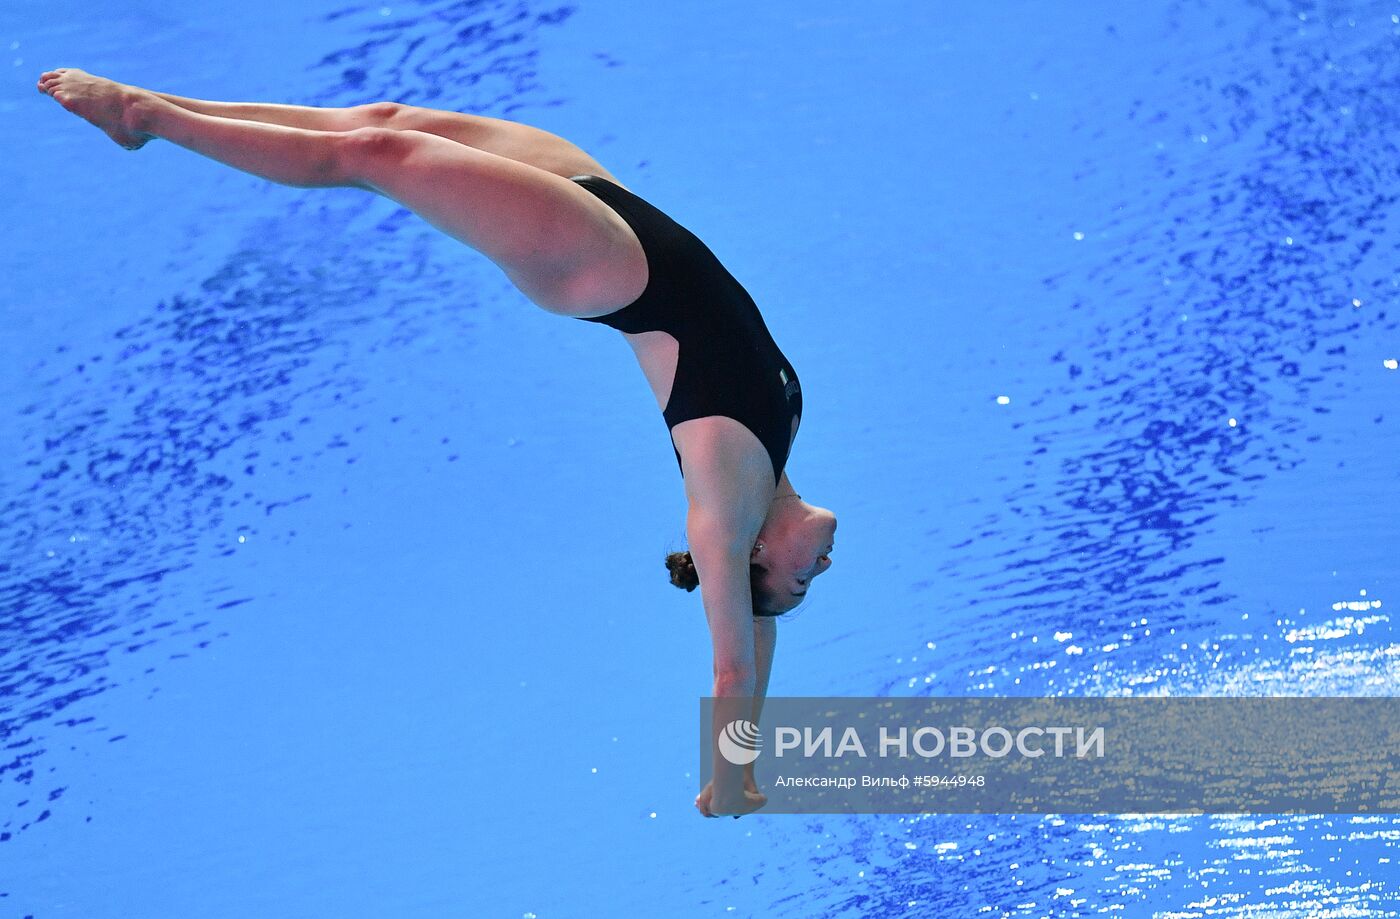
(682, 568)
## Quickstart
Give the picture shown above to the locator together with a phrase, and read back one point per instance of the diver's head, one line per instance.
(793, 547)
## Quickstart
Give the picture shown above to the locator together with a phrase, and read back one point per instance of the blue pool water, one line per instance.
(330, 569)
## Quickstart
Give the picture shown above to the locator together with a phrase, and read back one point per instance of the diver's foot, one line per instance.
(105, 103)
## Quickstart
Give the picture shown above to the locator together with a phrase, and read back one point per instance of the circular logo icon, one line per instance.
(739, 742)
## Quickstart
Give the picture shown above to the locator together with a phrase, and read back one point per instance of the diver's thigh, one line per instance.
(563, 247)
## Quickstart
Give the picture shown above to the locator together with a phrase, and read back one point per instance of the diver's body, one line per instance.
(578, 243)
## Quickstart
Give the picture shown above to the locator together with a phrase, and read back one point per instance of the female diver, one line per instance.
(576, 242)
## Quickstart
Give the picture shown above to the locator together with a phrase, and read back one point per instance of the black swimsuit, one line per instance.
(728, 363)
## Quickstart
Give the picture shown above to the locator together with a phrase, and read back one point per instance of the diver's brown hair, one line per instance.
(684, 576)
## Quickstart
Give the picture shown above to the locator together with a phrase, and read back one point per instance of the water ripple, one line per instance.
(199, 417)
(1219, 339)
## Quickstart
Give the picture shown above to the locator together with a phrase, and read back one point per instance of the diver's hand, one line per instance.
(730, 805)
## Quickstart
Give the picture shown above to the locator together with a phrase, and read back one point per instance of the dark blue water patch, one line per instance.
(472, 56)
(214, 409)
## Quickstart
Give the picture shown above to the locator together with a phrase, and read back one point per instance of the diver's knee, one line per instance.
(362, 154)
(379, 114)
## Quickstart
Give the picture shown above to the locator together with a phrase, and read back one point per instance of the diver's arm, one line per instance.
(728, 500)
(722, 563)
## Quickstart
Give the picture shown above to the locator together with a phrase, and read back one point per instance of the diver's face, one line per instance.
(799, 557)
